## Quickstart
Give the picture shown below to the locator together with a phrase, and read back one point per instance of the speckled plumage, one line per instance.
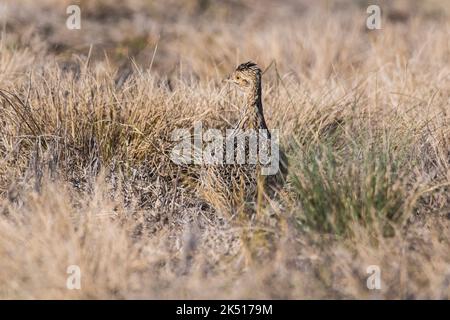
(237, 185)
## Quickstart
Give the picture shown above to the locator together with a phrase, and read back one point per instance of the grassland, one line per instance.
(86, 179)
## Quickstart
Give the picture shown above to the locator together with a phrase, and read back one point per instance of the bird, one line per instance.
(238, 187)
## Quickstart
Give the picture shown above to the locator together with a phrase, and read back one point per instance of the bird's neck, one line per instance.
(253, 111)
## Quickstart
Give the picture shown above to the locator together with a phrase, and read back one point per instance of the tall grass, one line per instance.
(85, 139)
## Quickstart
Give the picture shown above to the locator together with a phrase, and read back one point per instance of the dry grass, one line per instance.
(85, 126)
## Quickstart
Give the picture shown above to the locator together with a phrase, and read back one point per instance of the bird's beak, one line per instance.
(228, 79)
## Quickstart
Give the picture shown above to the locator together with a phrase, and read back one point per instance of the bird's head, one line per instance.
(246, 76)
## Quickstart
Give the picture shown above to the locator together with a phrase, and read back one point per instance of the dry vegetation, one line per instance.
(85, 124)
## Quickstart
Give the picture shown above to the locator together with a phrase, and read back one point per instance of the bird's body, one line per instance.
(238, 186)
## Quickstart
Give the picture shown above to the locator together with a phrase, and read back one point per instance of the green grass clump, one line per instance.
(335, 192)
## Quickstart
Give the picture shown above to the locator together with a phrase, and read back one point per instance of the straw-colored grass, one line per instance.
(86, 179)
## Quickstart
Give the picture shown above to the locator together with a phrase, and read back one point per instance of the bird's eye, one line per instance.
(237, 77)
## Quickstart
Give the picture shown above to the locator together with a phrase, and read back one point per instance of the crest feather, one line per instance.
(250, 65)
